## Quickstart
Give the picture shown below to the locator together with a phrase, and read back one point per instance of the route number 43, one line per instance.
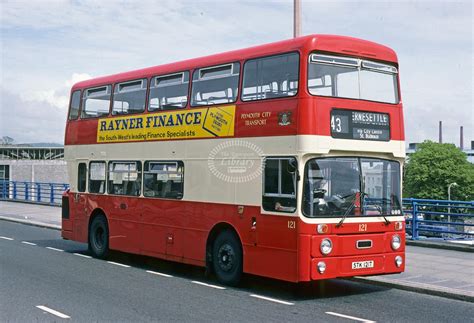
(336, 124)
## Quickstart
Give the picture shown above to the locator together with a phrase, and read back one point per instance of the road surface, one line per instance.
(45, 278)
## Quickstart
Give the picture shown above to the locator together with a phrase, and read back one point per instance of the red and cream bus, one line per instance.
(281, 160)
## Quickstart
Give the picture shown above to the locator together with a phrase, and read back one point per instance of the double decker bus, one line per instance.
(281, 160)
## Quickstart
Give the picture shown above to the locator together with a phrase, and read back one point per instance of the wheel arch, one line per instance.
(213, 234)
(95, 213)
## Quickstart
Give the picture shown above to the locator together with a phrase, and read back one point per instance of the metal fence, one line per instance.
(439, 218)
(42, 193)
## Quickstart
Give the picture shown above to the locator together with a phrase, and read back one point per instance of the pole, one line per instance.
(449, 205)
(296, 18)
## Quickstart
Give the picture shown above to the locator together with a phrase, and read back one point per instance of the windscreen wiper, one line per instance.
(387, 221)
(350, 208)
(380, 210)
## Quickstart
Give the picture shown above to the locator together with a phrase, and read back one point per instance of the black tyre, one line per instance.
(99, 237)
(227, 258)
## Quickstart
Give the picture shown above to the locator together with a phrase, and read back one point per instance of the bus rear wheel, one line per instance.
(99, 237)
(227, 258)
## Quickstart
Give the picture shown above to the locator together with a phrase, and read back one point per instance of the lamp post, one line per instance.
(449, 199)
(296, 18)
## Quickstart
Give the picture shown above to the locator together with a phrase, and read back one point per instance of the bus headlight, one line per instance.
(398, 261)
(396, 242)
(321, 267)
(326, 246)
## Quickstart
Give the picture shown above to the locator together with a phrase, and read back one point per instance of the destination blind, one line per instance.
(360, 125)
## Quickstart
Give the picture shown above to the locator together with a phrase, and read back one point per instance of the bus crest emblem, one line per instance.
(284, 118)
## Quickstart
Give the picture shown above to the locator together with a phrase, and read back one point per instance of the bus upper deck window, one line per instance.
(271, 77)
(96, 102)
(75, 104)
(169, 91)
(215, 85)
(129, 97)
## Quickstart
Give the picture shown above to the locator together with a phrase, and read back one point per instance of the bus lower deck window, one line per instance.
(164, 179)
(124, 178)
(97, 177)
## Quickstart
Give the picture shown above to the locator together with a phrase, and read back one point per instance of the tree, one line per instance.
(433, 167)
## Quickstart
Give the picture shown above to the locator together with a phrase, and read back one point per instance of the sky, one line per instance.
(47, 46)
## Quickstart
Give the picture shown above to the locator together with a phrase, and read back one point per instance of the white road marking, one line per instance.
(51, 311)
(55, 249)
(410, 277)
(463, 286)
(439, 281)
(81, 255)
(6, 238)
(271, 299)
(157, 273)
(207, 285)
(350, 317)
(29, 243)
(117, 264)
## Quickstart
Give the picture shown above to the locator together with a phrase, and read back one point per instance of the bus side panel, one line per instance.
(67, 215)
(83, 206)
(154, 226)
(178, 230)
(124, 217)
(274, 254)
(304, 262)
(257, 119)
(199, 221)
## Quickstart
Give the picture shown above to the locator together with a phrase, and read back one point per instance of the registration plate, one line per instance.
(363, 264)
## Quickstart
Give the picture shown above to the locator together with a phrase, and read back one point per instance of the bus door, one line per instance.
(276, 225)
(124, 188)
(77, 204)
(161, 220)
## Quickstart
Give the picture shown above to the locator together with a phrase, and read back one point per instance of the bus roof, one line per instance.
(328, 43)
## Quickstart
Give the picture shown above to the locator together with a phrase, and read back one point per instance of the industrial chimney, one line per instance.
(440, 132)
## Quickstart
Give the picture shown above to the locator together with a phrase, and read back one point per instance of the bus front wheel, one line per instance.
(99, 237)
(227, 258)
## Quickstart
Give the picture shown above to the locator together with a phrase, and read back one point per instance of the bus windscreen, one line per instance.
(332, 186)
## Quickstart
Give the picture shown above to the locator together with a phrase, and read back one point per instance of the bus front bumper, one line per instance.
(360, 265)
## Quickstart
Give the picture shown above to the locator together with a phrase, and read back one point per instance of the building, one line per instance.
(25, 163)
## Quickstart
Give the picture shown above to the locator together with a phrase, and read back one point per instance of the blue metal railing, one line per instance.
(439, 218)
(34, 192)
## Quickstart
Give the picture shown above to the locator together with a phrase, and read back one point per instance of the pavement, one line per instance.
(434, 268)
(33, 214)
